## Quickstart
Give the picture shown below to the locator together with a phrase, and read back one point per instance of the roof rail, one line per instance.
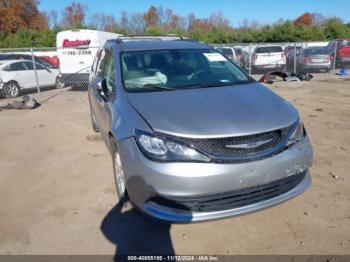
(150, 37)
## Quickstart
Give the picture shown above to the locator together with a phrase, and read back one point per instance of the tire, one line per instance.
(58, 83)
(118, 173)
(11, 89)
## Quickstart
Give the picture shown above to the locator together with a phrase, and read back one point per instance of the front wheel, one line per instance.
(11, 89)
(119, 176)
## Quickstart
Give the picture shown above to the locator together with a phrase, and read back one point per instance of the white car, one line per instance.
(269, 57)
(229, 52)
(17, 75)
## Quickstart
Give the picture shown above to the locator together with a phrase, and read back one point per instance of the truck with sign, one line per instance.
(76, 50)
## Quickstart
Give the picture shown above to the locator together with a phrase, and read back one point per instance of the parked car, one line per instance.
(228, 51)
(15, 76)
(314, 58)
(292, 58)
(241, 57)
(290, 50)
(268, 57)
(192, 136)
(236, 54)
(53, 60)
(17, 56)
(343, 52)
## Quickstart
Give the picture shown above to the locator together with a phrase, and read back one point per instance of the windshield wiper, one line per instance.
(157, 87)
(209, 85)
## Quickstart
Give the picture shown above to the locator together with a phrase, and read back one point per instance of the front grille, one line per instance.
(234, 147)
(234, 199)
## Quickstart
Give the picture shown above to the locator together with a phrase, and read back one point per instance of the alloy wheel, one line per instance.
(12, 90)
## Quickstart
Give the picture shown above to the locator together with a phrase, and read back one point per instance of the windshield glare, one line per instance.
(178, 69)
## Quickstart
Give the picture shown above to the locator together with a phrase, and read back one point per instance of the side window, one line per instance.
(101, 63)
(39, 67)
(94, 64)
(110, 71)
(29, 65)
(17, 67)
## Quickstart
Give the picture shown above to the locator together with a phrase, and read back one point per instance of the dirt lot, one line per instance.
(57, 191)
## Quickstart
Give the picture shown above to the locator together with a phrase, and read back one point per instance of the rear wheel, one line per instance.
(11, 89)
(58, 83)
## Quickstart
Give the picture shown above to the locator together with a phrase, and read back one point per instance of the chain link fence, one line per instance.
(42, 72)
(307, 57)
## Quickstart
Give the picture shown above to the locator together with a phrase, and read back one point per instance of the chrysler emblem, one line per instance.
(249, 145)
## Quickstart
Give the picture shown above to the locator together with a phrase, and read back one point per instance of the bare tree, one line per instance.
(52, 18)
(164, 15)
(319, 19)
(124, 20)
(74, 15)
(137, 24)
(102, 21)
(246, 24)
(219, 20)
(190, 18)
(132, 23)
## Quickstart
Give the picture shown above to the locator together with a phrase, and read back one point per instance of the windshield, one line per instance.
(178, 69)
(315, 51)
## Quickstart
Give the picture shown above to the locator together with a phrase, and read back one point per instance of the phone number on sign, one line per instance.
(173, 258)
(77, 52)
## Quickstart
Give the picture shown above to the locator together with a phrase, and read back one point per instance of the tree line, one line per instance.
(23, 25)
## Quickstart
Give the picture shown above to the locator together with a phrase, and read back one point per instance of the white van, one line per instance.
(76, 50)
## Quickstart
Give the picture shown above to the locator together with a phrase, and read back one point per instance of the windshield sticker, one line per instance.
(214, 57)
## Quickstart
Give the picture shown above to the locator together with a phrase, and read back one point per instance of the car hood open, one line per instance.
(214, 112)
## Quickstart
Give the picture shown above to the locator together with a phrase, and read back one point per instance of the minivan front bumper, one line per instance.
(146, 180)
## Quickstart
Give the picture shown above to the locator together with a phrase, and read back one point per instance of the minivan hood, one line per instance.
(214, 112)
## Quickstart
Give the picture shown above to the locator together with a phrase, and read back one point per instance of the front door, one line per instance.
(100, 99)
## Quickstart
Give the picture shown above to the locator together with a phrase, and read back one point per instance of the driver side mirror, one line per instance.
(102, 87)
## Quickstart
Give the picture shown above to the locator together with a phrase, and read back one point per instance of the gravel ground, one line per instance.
(57, 192)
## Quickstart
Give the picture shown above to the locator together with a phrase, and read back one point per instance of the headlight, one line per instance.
(164, 148)
(297, 135)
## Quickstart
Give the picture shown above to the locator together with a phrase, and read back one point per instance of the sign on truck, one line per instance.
(76, 50)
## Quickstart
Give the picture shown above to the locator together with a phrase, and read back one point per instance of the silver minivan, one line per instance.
(192, 136)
